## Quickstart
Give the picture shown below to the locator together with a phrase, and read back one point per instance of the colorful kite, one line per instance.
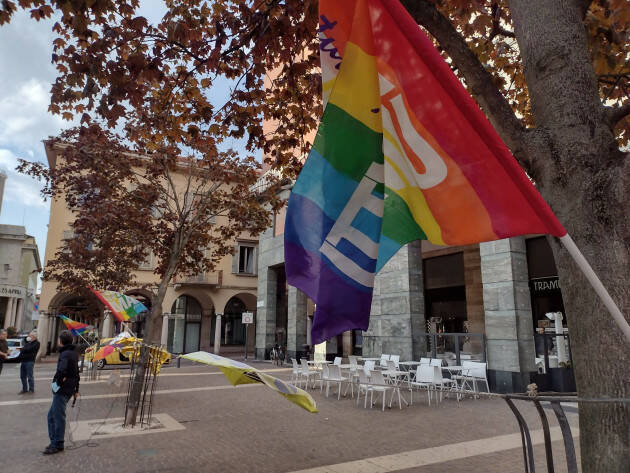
(77, 328)
(122, 306)
(402, 153)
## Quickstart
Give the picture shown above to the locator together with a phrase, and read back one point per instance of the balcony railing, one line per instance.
(206, 278)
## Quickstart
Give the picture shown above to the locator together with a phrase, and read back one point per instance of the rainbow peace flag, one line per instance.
(402, 153)
(77, 328)
(122, 306)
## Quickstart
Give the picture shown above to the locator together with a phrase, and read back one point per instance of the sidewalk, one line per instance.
(252, 429)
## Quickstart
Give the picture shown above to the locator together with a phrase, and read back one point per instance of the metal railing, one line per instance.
(441, 341)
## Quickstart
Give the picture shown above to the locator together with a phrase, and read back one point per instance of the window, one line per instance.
(147, 264)
(246, 259)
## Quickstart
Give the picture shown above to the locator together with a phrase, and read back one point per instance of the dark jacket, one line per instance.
(4, 348)
(67, 375)
(29, 351)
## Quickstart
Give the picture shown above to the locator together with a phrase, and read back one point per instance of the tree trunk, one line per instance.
(581, 173)
(141, 365)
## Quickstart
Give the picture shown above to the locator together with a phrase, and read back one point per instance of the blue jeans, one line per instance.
(57, 420)
(26, 373)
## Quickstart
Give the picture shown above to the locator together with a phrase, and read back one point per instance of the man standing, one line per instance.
(64, 386)
(4, 348)
(27, 358)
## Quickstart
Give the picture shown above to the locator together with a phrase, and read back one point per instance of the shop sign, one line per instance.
(12, 291)
(248, 318)
(545, 284)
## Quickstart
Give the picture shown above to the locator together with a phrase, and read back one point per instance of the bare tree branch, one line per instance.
(479, 80)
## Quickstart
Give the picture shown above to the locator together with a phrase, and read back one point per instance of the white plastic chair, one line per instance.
(474, 372)
(307, 374)
(295, 371)
(425, 361)
(364, 386)
(334, 376)
(337, 361)
(379, 385)
(368, 367)
(354, 360)
(324, 378)
(395, 359)
(436, 362)
(383, 362)
(430, 378)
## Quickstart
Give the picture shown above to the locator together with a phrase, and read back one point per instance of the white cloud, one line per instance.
(19, 188)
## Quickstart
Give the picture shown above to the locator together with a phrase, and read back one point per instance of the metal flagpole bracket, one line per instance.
(601, 291)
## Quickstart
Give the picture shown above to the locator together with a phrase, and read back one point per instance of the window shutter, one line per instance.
(235, 257)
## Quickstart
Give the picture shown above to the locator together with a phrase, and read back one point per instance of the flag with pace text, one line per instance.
(123, 307)
(402, 153)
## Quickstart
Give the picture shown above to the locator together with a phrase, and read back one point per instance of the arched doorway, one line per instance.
(232, 328)
(78, 308)
(184, 325)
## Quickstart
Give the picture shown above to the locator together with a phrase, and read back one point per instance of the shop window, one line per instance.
(184, 326)
(544, 285)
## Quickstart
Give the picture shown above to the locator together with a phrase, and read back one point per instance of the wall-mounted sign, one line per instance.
(7, 290)
(260, 304)
(248, 318)
(545, 284)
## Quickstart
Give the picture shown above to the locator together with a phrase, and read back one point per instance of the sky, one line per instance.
(26, 75)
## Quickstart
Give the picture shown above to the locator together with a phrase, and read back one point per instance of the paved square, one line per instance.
(251, 428)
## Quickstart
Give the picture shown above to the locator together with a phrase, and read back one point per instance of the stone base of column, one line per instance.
(509, 381)
(262, 354)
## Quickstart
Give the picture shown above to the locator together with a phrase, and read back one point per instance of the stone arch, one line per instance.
(186, 321)
(80, 308)
(233, 331)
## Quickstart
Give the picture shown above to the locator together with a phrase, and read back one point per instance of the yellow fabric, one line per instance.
(240, 373)
(356, 88)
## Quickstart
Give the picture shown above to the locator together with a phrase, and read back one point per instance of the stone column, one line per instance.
(19, 314)
(309, 328)
(508, 315)
(296, 323)
(217, 334)
(397, 316)
(266, 313)
(347, 343)
(9, 313)
(42, 333)
(107, 325)
(164, 335)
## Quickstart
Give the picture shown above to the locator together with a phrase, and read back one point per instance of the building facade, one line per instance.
(201, 312)
(19, 269)
(494, 294)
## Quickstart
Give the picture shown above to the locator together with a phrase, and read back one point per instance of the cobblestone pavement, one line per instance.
(253, 429)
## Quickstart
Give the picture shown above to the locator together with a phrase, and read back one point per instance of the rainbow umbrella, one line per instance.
(240, 373)
(77, 328)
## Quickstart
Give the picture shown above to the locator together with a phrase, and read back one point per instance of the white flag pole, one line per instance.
(601, 291)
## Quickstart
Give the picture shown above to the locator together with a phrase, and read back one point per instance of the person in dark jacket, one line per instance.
(4, 348)
(27, 359)
(64, 386)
